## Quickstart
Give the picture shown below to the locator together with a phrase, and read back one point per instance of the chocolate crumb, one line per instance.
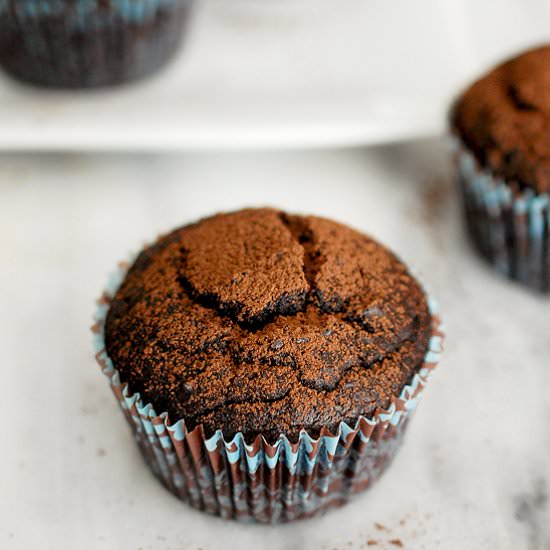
(396, 542)
(435, 197)
(278, 344)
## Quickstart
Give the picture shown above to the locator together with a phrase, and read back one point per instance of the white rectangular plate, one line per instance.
(301, 73)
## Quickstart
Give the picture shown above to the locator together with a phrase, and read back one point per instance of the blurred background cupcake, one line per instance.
(503, 159)
(88, 43)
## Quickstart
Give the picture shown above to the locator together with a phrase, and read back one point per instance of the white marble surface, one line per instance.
(475, 468)
(292, 73)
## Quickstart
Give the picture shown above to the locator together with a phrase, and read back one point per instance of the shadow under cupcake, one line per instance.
(267, 364)
(79, 44)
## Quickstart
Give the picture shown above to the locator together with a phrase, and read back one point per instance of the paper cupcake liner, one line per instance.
(84, 43)
(259, 481)
(511, 228)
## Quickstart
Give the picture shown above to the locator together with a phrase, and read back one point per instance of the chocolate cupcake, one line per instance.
(503, 160)
(267, 363)
(88, 43)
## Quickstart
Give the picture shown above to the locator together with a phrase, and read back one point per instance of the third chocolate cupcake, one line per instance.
(267, 363)
(501, 124)
(88, 43)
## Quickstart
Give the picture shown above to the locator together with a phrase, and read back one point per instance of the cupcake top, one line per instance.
(504, 118)
(266, 323)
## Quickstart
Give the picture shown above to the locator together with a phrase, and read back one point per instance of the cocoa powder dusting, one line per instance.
(505, 116)
(262, 322)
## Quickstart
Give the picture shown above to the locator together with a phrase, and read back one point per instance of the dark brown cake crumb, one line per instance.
(505, 116)
(262, 322)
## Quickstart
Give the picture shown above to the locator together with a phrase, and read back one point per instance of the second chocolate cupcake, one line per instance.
(88, 43)
(267, 363)
(503, 161)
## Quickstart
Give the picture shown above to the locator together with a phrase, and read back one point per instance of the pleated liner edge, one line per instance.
(509, 227)
(259, 481)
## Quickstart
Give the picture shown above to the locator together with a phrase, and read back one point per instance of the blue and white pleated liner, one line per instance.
(511, 228)
(257, 480)
(83, 11)
(37, 39)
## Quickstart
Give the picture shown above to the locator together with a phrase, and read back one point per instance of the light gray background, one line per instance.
(475, 468)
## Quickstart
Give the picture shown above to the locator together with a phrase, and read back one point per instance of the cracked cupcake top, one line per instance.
(266, 323)
(504, 118)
